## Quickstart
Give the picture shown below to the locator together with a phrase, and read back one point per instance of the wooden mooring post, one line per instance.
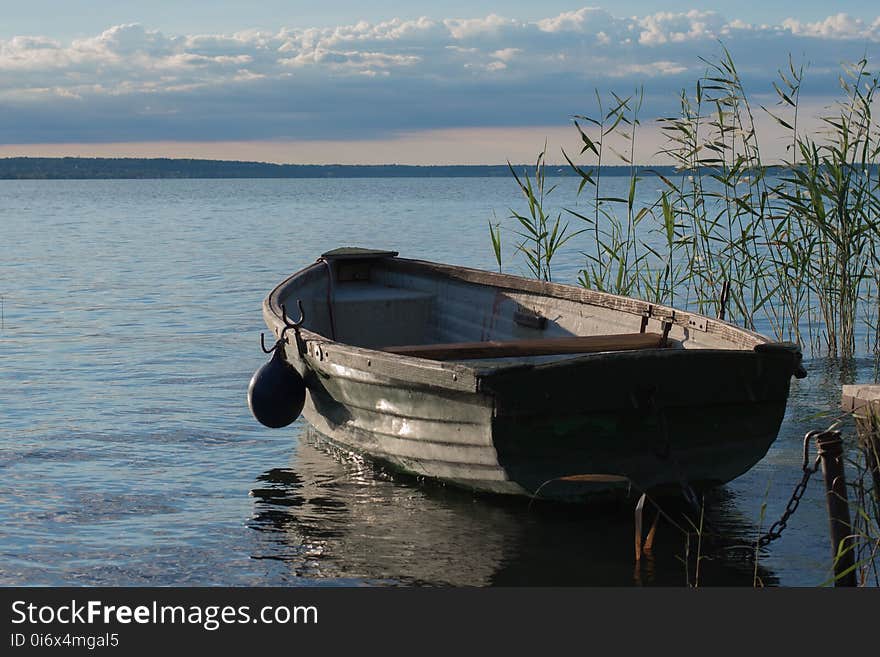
(830, 447)
(864, 402)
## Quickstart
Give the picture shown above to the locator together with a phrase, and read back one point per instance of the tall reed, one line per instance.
(794, 245)
(539, 235)
(835, 193)
(616, 261)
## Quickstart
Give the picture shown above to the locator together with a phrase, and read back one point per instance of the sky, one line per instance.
(387, 82)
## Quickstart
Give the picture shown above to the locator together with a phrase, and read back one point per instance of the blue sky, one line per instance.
(381, 81)
(73, 18)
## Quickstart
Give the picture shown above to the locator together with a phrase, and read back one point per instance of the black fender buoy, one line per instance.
(277, 392)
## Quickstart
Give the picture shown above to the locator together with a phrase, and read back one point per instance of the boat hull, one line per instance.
(653, 419)
(658, 419)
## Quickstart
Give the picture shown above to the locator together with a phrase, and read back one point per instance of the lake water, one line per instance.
(130, 328)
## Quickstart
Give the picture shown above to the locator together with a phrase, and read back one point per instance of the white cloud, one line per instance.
(588, 20)
(476, 27)
(650, 70)
(385, 76)
(840, 26)
(666, 27)
(506, 54)
(351, 60)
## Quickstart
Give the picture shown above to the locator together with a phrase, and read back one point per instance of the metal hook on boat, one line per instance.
(288, 324)
(300, 345)
(263, 344)
(293, 325)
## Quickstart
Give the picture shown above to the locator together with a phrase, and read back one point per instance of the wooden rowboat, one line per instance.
(509, 385)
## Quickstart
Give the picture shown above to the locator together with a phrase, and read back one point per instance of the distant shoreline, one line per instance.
(86, 168)
(136, 168)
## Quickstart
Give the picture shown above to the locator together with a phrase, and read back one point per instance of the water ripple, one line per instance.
(131, 322)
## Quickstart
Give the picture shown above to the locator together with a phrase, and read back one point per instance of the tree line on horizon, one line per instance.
(57, 168)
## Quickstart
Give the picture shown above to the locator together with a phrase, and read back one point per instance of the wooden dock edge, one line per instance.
(864, 402)
(857, 397)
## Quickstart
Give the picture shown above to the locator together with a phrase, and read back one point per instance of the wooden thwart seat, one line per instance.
(575, 344)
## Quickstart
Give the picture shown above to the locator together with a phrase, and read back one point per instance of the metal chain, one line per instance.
(778, 527)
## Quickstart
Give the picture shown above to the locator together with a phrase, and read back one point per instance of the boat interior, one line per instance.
(413, 308)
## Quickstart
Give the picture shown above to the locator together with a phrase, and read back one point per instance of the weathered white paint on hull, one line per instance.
(482, 474)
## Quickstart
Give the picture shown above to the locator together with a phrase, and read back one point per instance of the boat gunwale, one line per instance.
(465, 378)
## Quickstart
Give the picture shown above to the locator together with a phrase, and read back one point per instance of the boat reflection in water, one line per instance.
(332, 515)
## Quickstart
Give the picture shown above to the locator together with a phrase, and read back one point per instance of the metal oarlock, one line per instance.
(722, 302)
